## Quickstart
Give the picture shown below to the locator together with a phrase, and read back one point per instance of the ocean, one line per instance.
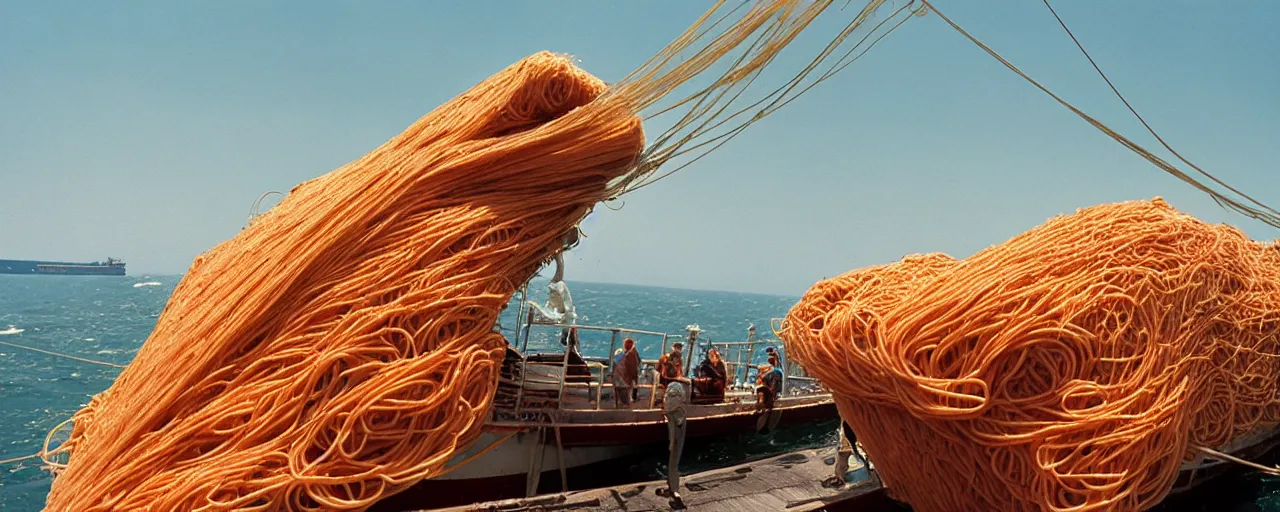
(107, 319)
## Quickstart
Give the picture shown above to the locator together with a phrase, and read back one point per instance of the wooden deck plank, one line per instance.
(771, 484)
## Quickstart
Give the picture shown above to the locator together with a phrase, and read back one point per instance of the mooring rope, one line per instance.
(43, 453)
(56, 354)
(19, 459)
(1228, 458)
(1261, 212)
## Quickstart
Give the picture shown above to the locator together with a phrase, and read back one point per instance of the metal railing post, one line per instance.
(688, 361)
(564, 374)
(737, 365)
(608, 367)
(520, 390)
(782, 361)
(653, 386)
(528, 325)
(524, 302)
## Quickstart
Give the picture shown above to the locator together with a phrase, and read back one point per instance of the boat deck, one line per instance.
(791, 482)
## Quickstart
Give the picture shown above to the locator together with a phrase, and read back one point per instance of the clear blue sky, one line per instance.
(145, 130)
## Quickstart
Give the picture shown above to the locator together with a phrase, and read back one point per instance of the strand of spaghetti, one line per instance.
(66, 356)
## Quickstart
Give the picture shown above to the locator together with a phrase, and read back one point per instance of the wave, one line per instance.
(148, 283)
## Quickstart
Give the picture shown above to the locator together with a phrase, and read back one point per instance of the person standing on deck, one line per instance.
(630, 369)
(677, 423)
(616, 378)
(626, 373)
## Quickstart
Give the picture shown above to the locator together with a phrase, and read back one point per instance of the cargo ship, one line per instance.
(111, 267)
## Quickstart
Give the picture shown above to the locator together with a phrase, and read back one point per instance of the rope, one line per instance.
(64, 447)
(74, 358)
(1228, 458)
(256, 210)
(710, 113)
(1140, 119)
(468, 460)
(19, 459)
(1266, 215)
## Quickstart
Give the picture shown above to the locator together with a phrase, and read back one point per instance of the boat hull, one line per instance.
(59, 268)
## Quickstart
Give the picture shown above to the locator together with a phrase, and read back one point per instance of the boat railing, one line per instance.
(548, 375)
(596, 371)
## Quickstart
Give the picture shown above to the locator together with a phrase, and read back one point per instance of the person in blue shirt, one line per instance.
(768, 385)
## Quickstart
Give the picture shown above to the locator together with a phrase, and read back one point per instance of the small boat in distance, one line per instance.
(111, 267)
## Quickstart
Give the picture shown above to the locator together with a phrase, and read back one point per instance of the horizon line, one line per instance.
(578, 281)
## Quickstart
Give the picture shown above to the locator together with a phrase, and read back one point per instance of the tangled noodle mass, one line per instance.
(1070, 368)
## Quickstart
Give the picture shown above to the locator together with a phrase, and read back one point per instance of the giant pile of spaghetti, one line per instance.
(1072, 367)
(341, 348)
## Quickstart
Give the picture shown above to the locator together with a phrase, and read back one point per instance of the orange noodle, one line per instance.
(1070, 368)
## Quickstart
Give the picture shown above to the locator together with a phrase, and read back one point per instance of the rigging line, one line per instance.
(781, 94)
(778, 101)
(19, 459)
(1139, 116)
(658, 155)
(1265, 217)
(81, 359)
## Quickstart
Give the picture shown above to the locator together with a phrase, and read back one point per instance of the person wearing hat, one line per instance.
(626, 373)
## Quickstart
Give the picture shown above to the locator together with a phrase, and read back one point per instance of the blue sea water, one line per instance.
(108, 318)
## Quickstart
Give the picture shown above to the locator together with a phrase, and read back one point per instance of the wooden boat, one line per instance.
(554, 421)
